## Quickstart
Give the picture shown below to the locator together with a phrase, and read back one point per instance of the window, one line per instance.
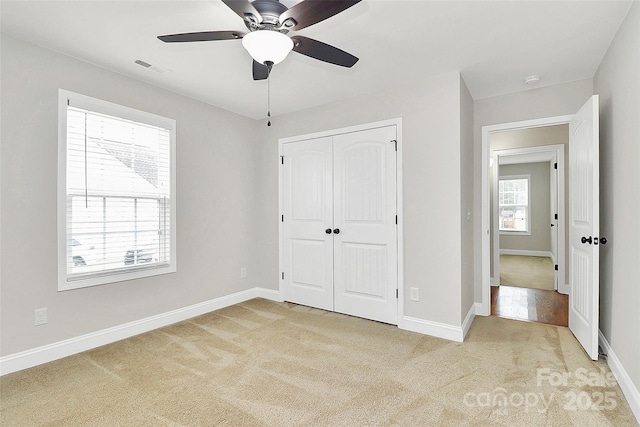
(513, 204)
(116, 193)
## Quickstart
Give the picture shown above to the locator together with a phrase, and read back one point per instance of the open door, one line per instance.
(584, 226)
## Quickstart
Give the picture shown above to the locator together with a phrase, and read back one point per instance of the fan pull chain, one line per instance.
(269, 64)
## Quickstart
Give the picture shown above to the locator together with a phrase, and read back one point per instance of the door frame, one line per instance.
(536, 154)
(484, 307)
(399, 204)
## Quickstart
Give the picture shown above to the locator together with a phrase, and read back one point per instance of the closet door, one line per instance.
(308, 214)
(365, 248)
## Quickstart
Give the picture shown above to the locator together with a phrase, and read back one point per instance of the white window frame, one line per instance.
(527, 232)
(64, 98)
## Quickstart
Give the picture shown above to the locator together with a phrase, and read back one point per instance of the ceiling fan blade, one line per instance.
(323, 52)
(309, 12)
(203, 36)
(260, 71)
(244, 10)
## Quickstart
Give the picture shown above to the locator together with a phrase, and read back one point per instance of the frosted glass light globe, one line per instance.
(267, 45)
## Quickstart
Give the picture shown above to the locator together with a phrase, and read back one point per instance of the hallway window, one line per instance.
(514, 212)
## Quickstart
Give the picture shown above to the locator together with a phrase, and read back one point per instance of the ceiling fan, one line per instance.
(268, 22)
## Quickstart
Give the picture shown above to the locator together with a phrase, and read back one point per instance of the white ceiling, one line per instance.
(494, 44)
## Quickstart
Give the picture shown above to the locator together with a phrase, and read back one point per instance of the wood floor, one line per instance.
(532, 305)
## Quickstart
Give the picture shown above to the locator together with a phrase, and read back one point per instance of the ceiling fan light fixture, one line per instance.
(267, 45)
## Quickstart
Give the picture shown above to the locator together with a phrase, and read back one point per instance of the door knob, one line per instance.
(328, 231)
(336, 230)
(585, 240)
(603, 240)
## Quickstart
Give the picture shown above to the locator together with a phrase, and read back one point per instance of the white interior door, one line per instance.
(308, 213)
(584, 226)
(365, 237)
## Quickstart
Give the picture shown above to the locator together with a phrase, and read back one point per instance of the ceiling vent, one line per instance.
(149, 66)
(141, 62)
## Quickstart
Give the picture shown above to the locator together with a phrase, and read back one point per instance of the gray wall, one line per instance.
(550, 101)
(619, 88)
(533, 137)
(431, 173)
(215, 221)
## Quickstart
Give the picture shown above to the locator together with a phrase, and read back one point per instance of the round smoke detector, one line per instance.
(532, 80)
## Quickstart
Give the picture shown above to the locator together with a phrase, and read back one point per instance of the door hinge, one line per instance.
(396, 219)
(396, 293)
(555, 166)
(283, 275)
(395, 144)
(282, 218)
(555, 267)
(282, 159)
(555, 216)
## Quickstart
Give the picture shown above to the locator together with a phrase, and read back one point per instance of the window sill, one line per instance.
(514, 233)
(66, 283)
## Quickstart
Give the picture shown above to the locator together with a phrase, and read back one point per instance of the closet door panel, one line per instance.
(308, 213)
(365, 249)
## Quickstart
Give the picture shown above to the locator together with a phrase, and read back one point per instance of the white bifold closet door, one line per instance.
(340, 233)
(308, 213)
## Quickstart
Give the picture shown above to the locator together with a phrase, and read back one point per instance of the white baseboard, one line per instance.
(563, 289)
(50, 352)
(269, 294)
(427, 327)
(481, 309)
(546, 254)
(468, 320)
(629, 389)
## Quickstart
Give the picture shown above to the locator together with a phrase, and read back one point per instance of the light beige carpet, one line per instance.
(527, 272)
(280, 364)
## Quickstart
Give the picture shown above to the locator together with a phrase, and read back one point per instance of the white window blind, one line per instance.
(514, 204)
(118, 193)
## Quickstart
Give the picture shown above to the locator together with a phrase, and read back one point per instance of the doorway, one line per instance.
(528, 205)
(528, 229)
(583, 220)
(490, 242)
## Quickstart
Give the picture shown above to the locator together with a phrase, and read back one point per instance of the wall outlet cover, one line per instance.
(40, 316)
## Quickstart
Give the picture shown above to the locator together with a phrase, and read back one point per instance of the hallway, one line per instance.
(531, 305)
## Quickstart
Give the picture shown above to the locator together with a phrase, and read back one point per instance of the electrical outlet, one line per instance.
(415, 294)
(40, 316)
(243, 273)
